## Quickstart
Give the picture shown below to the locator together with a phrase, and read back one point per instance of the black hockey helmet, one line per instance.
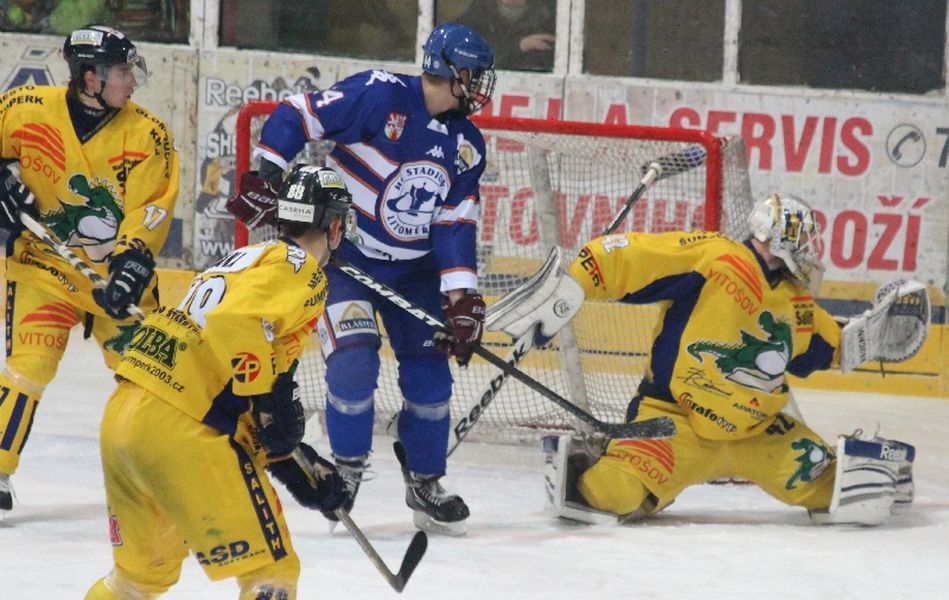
(99, 47)
(314, 196)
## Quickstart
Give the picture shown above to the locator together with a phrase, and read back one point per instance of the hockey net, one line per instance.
(553, 183)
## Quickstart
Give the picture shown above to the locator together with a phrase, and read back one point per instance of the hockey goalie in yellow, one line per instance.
(206, 402)
(735, 318)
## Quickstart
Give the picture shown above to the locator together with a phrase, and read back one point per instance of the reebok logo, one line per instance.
(888, 452)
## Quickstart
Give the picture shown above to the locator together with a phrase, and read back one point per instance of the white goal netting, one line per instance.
(556, 183)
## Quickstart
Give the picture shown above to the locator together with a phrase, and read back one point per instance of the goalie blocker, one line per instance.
(549, 298)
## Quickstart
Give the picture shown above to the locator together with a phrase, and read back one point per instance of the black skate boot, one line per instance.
(6, 494)
(434, 509)
(352, 471)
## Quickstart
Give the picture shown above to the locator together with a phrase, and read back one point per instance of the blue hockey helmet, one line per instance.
(452, 48)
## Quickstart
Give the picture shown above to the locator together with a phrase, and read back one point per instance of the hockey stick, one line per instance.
(413, 555)
(659, 427)
(47, 237)
(662, 168)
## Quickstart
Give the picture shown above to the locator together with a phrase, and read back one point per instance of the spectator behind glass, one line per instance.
(70, 15)
(521, 32)
(30, 16)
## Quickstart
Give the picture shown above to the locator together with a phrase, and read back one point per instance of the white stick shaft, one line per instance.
(47, 237)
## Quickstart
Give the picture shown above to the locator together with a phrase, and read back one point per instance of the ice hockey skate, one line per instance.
(434, 509)
(6, 495)
(352, 471)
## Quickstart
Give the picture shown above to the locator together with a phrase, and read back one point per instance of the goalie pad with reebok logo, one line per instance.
(892, 330)
(872, 480)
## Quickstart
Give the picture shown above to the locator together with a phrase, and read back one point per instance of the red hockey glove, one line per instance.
(466, 318)
(255, 202)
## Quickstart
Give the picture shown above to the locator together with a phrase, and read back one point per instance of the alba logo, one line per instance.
(246, 367)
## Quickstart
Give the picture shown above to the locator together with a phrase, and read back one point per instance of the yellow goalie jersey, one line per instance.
(728, 329)
(115, 190)
(242, 322)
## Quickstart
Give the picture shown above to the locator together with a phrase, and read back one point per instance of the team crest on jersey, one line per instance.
(411, 199)
(395, 124)
(754, 362)
(246, 367)
(467, 156)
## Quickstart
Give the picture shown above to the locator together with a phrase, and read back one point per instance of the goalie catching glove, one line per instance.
(893, 330)
(326, 493)
(466, 319)
(279, 417)
(256, 200)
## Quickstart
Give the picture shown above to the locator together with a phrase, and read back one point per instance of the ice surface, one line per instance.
(726, 542)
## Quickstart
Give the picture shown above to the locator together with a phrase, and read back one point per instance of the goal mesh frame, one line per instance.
(552, 183)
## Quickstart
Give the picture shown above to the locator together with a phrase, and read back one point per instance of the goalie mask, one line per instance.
(315, 196)
(451, 49)
(99, 48)
(789, 226)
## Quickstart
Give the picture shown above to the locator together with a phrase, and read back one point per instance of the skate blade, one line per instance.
(426, 523)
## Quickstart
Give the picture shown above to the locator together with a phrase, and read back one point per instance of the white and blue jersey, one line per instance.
(414, 179)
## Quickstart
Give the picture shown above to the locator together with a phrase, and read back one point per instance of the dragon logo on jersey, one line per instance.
(91, 225)
(754, 362)
(814, 459)
(411, 199)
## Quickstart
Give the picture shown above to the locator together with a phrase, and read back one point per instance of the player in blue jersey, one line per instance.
(412, 160)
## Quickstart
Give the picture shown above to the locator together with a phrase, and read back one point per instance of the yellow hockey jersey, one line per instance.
(242, 322)
(116, 190)
(729, 328)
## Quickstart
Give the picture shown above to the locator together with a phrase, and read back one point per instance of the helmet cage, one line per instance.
(478, 91)
(790, 227)
(453, 48)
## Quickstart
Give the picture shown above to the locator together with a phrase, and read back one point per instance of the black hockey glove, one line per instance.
(256, 200)
(466, 318)
(279, 417)
(129, 274)
(14, 197)
(330, 492)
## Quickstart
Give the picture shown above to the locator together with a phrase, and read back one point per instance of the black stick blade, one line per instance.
(658, 427)
(413, 556)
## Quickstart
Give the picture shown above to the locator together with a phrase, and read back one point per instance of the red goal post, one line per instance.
(556, 183)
